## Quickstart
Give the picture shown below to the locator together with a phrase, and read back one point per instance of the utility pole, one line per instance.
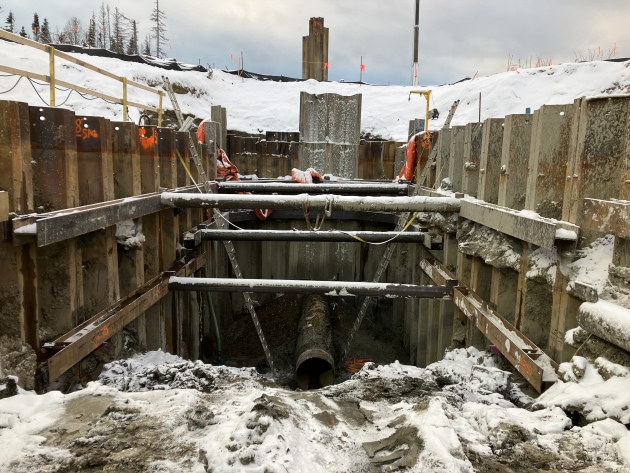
(416, 31)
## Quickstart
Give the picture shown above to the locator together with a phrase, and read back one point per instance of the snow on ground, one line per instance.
(259, 106)
(462, 414)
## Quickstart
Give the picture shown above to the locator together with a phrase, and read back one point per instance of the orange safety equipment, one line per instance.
(306, 177)
(200, 133)
(406, 172)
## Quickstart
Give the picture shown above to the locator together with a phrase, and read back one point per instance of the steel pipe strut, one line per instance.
(330, 288)
(313, 202)
(295, 235)
(314, 363)
(334, 187)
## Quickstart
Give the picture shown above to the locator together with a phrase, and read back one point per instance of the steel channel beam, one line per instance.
(294, 235)
(317, 202)
(334, 187)
(330, 288)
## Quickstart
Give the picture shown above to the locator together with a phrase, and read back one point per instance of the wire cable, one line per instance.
(14, 86)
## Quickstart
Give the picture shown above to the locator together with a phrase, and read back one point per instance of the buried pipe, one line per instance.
(327, 203)
(314, 362)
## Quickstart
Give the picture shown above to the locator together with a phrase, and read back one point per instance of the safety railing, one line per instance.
(53, 82)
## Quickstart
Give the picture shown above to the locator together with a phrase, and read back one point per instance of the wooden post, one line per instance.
(55, 187)
(128, 183)
(18, 317)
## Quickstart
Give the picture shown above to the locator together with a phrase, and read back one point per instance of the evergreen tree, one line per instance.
(132, 47)
(35, 27)
(103, 27)
(23, 33)
(159, 29)
(91, 34)
(10, 22)
(117, 40)
(146, 48)
(44, 37)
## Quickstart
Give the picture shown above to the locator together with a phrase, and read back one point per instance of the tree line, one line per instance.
(108, 28)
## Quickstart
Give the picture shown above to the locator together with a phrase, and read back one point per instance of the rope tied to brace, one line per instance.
(318, 222)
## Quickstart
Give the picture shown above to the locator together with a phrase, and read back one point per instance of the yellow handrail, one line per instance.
(50, 79)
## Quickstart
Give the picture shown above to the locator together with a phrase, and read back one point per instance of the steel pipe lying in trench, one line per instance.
(314, 362)
(296, 235)
(329, 288)
(334, 187)
(326, 203)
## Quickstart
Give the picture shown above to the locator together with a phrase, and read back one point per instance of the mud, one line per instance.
(17, 359)
(494, 248)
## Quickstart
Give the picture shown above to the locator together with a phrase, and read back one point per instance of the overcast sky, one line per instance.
(458, 38)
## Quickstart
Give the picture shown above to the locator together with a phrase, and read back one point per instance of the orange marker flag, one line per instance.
(231, 56)
(362, 67)
(326, 65)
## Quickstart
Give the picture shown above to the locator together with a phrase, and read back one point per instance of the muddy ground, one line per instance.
(279, 320)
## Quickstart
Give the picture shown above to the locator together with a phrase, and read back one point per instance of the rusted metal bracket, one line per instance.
(87, 337)
(535, 366)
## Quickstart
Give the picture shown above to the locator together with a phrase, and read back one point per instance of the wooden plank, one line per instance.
(607, 216)
(89, 336)
(19, 39)
(21, 72)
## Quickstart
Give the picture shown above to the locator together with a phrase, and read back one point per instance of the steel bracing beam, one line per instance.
(330, 187)
(297, 235)
(326, 203)
(535, 366)
(87, 337)
(330, 288)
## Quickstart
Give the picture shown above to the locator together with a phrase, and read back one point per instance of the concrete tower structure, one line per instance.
(315, 51)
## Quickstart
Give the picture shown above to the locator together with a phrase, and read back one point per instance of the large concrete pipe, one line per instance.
(327, 203)
(314, 362)
(606, 320)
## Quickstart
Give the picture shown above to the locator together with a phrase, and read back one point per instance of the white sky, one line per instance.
(457, 38)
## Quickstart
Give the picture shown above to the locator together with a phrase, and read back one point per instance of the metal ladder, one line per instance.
(219, 219)
(389, 251)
